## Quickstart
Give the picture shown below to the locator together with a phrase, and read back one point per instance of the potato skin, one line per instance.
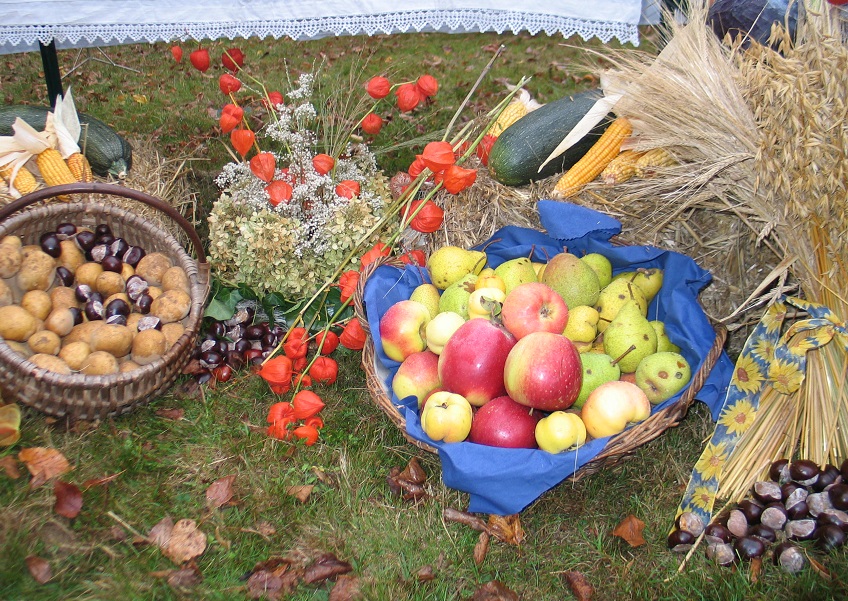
(176, 279)
(16, 323)
(72, 257)
(87, 273)
(113, 339)
(172, 332)
(148, 346)
(99, 363)
(51, 363)
(109, 283)
(173, 305)
(46, 342)
(37, 271)
(74, 354)
(6, 295)
(153, 266)
(10, 258)
(63, 297)
(83, 332)
(38, 303)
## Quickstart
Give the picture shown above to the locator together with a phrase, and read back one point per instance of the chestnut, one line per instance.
(149, 322)
(774, 516)
(212, 345)
(829, 475)
(102, 229)
(93, 310)
(843, 470)
(751, 509)
(118, 247)
(798, 511)
(234, 359)
(241, 345)
(829, 537)
(716, 533)
(269, 341)
(779, 471)
(722, 554)
(65, 276)
(204, 376)
(99, 252)
(818, 502)
(116, 320)
(76, 312)
(111, 263)
(211, 359)
(800, 529)
(133, 255)
(217, 330)
(766, 491)
(680, 541)
(66, 230)
(106, 241)
(737, 523)
(85, 240)
(789, 557)
(835, 517)
(749, 547)
(690, 522)
(253, 356)
(135, 286)
(242, 316)
(116, 306)
(838, 495)
(83, 292)
(254, 332)
(761, 531)
(804, 472)
(49, 243)
(143, 303)
(223, 373)
(793, 494)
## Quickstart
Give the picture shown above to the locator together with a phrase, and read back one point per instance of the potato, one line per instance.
(152, 267)
(51, 363)
(10, 259)
(6, 295)
(12, 241)
(63, 297)
(60, 321)
(113, 339)
(176, 279)
(75, 354)
(37, 271)
(148, 346)
(109, 283)
(38, 303)
(132, 321)
(124, 366)
(72, 257)
(121, 295)
(45, 341)
(87, 274)
(172, 332)
(16, 323)
(22, 348)
(28, 249)
(127, 270)
(172, 306)
(99, 363)
(83, 332)
(155, 292)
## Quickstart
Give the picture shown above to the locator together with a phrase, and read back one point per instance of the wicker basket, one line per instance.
(616, 448)
(97, 397)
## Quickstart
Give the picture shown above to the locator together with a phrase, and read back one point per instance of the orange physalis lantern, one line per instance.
(377, 251)
(315, 421)
(242, 140)
(485, 147)
(347, 284)
(407, 97)
(438, 156)
(280, 430)
(428, 219)
(296, 344)
(427, 86)
(278, 191)
(323, 163)
(263, 166)
(348, 188)
(353, 336)
(416, 167)
(456, 178)
(177, 53)
(372, 124)
(308, 434)
(280, 411)
(277, 372)
(232, 59)
(306, 404)
(378, 87)
(324, 370)
(415, 257)
(274, 98)
(228, 84)
(328, 341)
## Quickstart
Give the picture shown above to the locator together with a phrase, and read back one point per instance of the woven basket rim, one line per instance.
(616, 448)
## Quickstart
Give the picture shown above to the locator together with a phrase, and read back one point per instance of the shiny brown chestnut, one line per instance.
(789, 557)
(749, 547)
(680, 541)
(804, 472)
(829, 475)
(829, 537)
(838, 495)
(779, 471)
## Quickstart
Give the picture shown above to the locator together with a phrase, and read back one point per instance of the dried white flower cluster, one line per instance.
(294, 247)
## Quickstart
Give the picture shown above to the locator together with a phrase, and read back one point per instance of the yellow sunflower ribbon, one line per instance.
(767, 358)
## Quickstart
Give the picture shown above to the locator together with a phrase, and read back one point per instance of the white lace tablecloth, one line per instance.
(86, 23)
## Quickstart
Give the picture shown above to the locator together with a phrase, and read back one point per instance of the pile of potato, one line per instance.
(86, 301)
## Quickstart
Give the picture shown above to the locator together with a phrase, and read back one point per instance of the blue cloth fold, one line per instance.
(505, 481)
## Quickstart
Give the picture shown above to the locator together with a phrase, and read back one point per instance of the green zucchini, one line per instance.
(106, 151)
(517, 153)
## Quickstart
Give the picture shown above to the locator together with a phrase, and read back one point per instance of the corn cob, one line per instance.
(80, 168)
(595, 160)
(24, 180)
(514, 111)
(621, 168)
(655, 158)
(54, 170)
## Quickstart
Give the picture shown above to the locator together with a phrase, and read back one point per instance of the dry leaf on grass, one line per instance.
(272, 579)
(820, 569)
(630, 529)
(103, 480)
(463, 517)
(183, 578)
(481, 548)
(325, 567)
(425, 574)
(187, 542)
(580, 586)
(506, 529)
(172, 414)
(10, 467)
(160, 534)
(68, 499)
(345, 589)
(408, 482)
(44, 464)
(39, 569)
(494, 590)
(220, 492)
(756, 569)
(300, 492)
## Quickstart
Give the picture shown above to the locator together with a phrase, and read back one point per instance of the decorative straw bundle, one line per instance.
(761, 135)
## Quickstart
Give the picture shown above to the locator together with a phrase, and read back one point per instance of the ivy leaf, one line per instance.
(222, 306)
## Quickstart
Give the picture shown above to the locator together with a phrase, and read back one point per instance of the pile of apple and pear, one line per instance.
(531, 355)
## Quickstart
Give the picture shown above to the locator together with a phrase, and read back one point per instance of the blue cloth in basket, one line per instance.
(505, 481)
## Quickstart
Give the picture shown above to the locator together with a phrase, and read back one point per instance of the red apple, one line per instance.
(543, 371)
(613, 406)
(534, 307)
(417, 376)
(403, 329)
(472, 362)
(504, 423)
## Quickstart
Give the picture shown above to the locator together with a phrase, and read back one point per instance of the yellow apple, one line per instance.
(559, 431)
(446, 417)
(488, 279)
(441, 328)
(484, 301)
(612, 407)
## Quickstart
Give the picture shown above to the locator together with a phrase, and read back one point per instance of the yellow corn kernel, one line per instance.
(80, 168)
(652, 160)
(24, 180)
(621, 168)
(54, 170)
(514, 111)
(595, 160)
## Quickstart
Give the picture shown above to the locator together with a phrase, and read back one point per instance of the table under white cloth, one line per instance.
(87, 23)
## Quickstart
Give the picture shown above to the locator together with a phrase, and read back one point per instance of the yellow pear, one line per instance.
(601, 265)
(427, 295)
(664, 343)
(574, 280)
(515, 272)
(582, 326)
(449, 264)
(649, 280)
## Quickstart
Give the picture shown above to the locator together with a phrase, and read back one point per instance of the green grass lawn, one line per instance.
(162, 467)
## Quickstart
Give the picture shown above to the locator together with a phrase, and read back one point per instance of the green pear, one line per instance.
(455, 297)
(664, 343)
(649, 280)
(597, 369)
(427, 295)
(614, 296)
(629, 338)
(601, 265)
(515, 272)
(662, 375)
(449, 263)
(582, 326)
(574, 280)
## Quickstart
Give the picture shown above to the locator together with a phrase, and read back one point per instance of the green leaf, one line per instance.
(223, 303)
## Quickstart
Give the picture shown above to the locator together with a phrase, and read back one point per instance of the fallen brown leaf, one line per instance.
(44, 464)
(413, 472)
(172, 414)
(325, 567)
(481, 548)
(187, 542)
(103, 480)
(345, 589)
(300, 492)
(756, 569)
(494, 590)
(118, 534)
(183, 578)
(220, 492)
(39, 569)
(506, 529)
(408, 482)
(160, 534)
(10, 424)
(819, 568)
(462, 517)
(630, 529)
(580, 586)
(322, 476)
(10, 466)
(68, 499)
(272, 579)
(425, 574)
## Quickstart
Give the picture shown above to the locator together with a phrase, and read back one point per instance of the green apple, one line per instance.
(560, 431)
(447, 417)
(440, 329)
